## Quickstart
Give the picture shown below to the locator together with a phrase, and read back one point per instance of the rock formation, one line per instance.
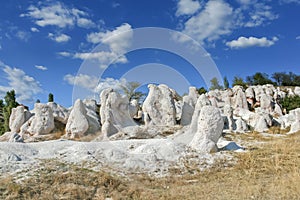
(77, 124)
(209, 130)
(114, 113)
(159, 106)
(41, 123)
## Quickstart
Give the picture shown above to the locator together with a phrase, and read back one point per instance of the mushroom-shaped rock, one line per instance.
(17, 119)
(77, 124)
(60, 113)
(210, 126)
(41, 123)
(188, 107)
(159, 106)
(114, 113)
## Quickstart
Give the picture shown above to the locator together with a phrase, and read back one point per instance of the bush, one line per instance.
(291, 103)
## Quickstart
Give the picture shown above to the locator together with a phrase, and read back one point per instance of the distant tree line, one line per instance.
(277, 79)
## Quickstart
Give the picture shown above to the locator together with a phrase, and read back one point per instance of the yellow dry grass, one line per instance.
(270, 171)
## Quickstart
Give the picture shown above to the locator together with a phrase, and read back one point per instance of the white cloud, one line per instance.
(57, 14)
(26, 87)
(33, 29)
(85, 23)
(243, 42)
(214, 21)
(115, 84)
(41, 67)
(118, 40)
(218, 18)
(298, 37)
(59, 38)
(259, 14)
(23, 35)
(187, 7)
(64, 54)
(82, 80)
(94, 84)
(289, 1)
(103, 57)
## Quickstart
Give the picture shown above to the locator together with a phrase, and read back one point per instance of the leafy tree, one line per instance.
(202, 90)
(239, 81)
(50, 97)
(215, 84)
(259, 79)
(130, 91)
(284, 79)
(2, 129)
(278, 77)
(226, 83)
(10, 103)
(291, 103)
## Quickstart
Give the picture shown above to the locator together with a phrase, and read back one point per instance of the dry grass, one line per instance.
(270, 171)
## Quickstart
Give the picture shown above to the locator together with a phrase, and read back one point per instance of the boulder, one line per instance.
(114, 113)
(240, 100)
(297, 91)
(241, 126)
(188, 107)
(42, 123)
(261, 125)
(17, 119)
(201, 102)
(133, 108)
(209, 130)
(77, 124)
(159, 106)
(60, 113)
(92, 115)
(228, 112)
(266, 103)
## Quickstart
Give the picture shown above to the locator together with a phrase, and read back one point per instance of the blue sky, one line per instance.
(43, 44)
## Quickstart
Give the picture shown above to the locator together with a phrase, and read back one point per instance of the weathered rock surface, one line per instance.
(209, 130)
(114, 113)
(77, 124)
(60, 113)
(188, 107)
(41, 123)
(159, 106)
(17, 119)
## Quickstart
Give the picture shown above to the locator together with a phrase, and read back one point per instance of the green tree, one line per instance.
(259, 79)
(291, 103)
(50, 97)
(130, 91)
(10, 103)
(2, 129)
(202, 90)
(239, 81)
(215, 84)
(278, 77)
(226, 83)
(38, 101)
